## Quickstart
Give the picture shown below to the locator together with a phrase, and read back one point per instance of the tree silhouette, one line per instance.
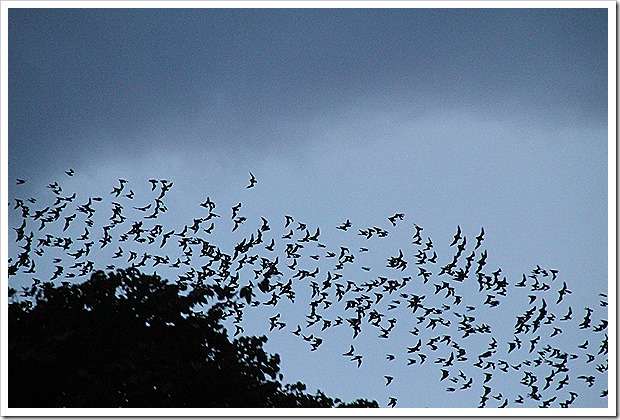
(127, 339)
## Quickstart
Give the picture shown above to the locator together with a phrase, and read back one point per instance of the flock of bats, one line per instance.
(283, 266)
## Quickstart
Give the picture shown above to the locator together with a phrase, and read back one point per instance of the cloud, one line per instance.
(85, 78)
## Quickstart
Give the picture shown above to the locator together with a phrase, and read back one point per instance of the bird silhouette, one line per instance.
(457, 236)
(345, 226)
(397, 216)
(562, 292)
(252, 181)
(351, 351)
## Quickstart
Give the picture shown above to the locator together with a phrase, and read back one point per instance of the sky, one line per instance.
(493, 118)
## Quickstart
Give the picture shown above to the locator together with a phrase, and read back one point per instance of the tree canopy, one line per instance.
(127, 339)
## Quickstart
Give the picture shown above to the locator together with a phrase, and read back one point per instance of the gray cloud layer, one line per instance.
(76, 74)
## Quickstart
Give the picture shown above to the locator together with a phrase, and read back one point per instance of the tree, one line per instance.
(126, 339)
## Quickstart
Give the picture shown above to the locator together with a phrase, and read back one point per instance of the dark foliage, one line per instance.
(126, 339)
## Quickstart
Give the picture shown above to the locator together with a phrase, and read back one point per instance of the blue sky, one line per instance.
(468, 117)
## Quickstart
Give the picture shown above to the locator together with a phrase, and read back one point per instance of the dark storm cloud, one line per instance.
(77, 73)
